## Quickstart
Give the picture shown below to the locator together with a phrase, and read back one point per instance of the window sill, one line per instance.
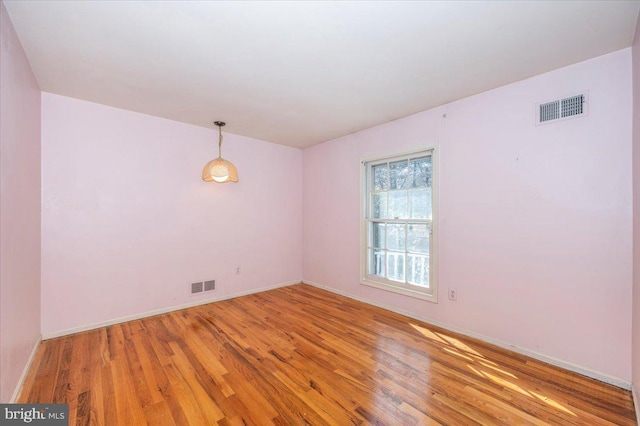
(401, 290)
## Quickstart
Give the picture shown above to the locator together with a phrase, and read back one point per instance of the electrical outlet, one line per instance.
(453, 294)
(238, 270)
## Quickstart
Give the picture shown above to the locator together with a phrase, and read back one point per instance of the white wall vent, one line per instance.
(196, 287)
(562, 109)
(210, 285)
(202, 286)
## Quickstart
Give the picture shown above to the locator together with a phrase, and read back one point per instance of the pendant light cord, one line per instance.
(220, 142)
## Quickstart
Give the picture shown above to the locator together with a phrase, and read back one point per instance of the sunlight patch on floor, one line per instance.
(458, 344)
(484, 363)
(427, 333)
(512, 386)
(552, 403)
(456, 353)
(463, 351)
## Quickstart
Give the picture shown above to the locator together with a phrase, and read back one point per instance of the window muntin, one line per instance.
(398, 228)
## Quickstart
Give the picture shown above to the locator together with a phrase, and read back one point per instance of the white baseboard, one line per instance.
(523, 351)
(74, 330)
(636, 398)
(25, 371)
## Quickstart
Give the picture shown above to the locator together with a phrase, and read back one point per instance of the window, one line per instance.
(398, 250)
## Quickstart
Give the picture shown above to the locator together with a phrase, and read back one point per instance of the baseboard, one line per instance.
(25, 371)
(634, 392)
(523, 351)
(74, 330)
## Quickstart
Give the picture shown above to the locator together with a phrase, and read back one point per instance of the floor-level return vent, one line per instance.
(560, 109)
(203, 286)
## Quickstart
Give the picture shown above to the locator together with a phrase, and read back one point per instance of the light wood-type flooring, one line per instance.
(299, 355)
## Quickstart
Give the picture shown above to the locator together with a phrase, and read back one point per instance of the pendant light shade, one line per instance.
(219, 170)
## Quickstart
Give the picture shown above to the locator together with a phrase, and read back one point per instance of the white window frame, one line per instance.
(430, 294)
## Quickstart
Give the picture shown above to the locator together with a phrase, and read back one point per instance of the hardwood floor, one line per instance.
(299, 355)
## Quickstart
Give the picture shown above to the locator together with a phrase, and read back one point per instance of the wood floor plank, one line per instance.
(109, 416)
(300, 355)
(44, 368)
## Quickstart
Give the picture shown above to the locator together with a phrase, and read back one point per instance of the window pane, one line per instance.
(418, 238)
(380, 181)
(376, 234)
(377, 262)
(398, 204)
(379, 205)
(420, 203)
(396, 236)
(418, 269)
(399, 175)
(420, 172)
(398, 216)
(395, 266)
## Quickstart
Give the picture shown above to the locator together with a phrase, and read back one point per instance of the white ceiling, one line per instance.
(301, 73)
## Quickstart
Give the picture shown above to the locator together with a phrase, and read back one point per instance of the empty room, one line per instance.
(319, 212)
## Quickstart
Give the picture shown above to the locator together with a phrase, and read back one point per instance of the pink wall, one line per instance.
(535, 221)
(127, 222)
(636, 215)
(19, 209)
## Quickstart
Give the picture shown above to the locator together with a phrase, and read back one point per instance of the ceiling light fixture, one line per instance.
(219, 170)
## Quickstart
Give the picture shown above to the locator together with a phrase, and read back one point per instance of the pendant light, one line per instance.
(219, 170)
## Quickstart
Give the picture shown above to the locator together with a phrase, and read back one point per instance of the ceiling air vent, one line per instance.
(560, 109)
